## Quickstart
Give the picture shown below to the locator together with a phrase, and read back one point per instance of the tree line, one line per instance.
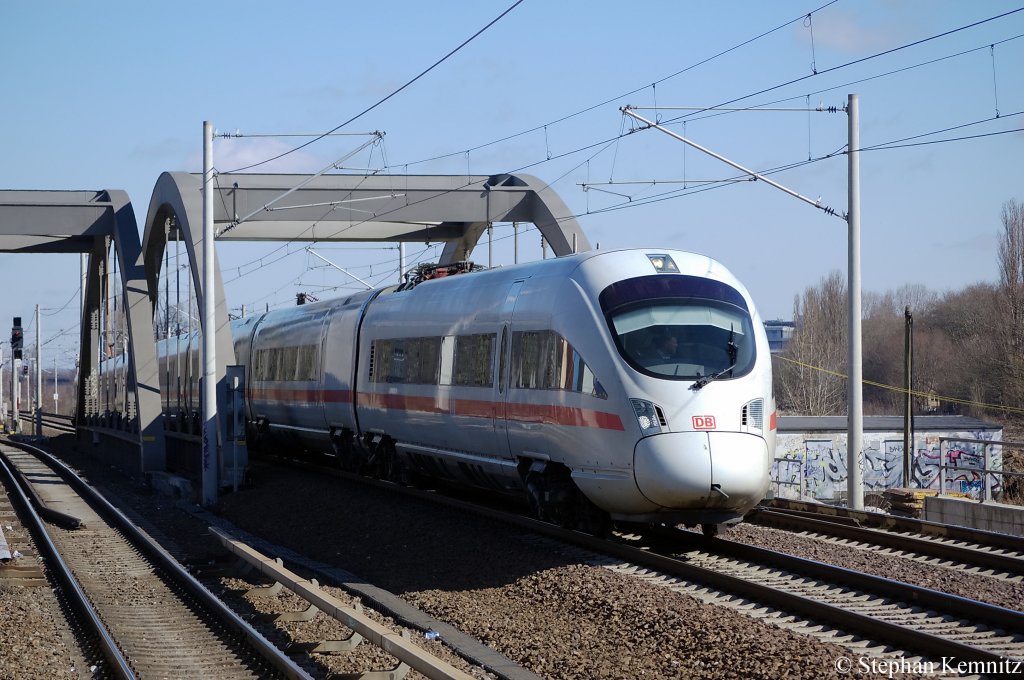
(968, 344)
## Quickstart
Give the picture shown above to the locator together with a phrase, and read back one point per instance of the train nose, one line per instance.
(726, 470)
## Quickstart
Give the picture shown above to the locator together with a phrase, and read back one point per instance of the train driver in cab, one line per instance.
(662, 347)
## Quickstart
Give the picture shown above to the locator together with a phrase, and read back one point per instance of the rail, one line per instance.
(56, 421)
(362, 626)
(72, 590)
(888, 522)
(849, 528)
(274, 656)
(813, 608)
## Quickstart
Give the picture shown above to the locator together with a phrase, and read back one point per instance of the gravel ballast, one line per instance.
(554, 614)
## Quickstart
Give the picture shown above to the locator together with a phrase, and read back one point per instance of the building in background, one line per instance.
(779, 333)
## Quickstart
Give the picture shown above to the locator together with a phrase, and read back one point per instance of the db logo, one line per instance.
(703, 422)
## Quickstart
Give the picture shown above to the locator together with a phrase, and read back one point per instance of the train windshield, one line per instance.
(681, 327)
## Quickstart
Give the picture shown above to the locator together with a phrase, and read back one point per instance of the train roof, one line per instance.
(689, 263)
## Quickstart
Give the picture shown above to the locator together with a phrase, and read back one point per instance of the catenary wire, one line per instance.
(855, 61)
(877, 76)
(549, 157)
(646, 201)
(616, 98)
(389, 96)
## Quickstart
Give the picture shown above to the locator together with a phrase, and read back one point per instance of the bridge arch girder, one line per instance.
(89, 222)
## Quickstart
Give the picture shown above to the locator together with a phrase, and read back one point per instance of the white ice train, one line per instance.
(630, 385)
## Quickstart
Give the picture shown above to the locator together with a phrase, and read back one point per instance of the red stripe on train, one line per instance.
(548, 414)
(524, 413)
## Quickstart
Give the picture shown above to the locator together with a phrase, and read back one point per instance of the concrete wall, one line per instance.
(812, 464)
(989, 516)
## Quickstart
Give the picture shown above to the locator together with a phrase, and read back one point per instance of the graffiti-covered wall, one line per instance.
(810, 462)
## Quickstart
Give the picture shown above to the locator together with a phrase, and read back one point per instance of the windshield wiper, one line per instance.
(732, 349)
(705, 379)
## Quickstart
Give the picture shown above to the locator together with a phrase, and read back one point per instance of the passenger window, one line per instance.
(546, 360)
(422, 360)
(413, 361)
(474, 360)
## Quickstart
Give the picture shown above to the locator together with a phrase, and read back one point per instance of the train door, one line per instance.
(504, 364)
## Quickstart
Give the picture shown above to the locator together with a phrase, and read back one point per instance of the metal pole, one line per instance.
(209, 394)
(3, 411)
(167, 319)
(908, 403)
(543, 248)
(855, 407)
(189, 349)
(83, 267)
(987, 448)
(55, 384)
(177, 330)
(167, 283)
(515, 243)
(124, 362)
(39, 375)
(401, 262)
(15, 395)
(83, 264)
(942, 467)
(490, 245)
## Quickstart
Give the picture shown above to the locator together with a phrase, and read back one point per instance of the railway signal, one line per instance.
(17, 338)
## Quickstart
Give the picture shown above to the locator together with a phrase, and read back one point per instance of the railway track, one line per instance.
(976, 551)
(51, 421)
(926, 621)
(872, 616)
(151, 618)
(19, 560)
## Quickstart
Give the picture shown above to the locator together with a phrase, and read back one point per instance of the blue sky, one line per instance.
(111, 94)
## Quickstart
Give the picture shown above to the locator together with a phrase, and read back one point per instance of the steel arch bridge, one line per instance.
(455, 209)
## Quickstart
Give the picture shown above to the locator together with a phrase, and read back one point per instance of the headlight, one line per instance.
(648, 416)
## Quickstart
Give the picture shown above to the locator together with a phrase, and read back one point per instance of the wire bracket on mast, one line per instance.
(629, 111)
(336, 165)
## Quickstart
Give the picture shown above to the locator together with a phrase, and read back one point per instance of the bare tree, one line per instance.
(1011, 288)
(958, 347)
(882, 353)
(968, 343)
(819, 342)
